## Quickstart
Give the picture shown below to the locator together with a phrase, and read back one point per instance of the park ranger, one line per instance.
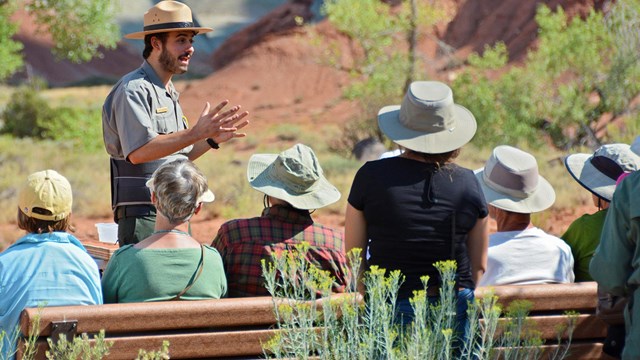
(143, 123)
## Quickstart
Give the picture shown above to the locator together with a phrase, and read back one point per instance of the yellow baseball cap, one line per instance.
(46, 190)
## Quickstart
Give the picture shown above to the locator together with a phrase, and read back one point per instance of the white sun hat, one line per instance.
(428, 120)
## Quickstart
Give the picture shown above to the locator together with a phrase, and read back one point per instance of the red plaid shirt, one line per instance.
(244, 242)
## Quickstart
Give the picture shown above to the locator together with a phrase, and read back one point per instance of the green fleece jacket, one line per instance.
(616, 262)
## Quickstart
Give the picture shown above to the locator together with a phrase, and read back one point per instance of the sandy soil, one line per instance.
(205, 229)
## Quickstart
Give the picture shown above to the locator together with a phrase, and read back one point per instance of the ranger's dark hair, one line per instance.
(162, 36)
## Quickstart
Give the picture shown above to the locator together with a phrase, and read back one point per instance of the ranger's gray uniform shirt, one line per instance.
(138, 109)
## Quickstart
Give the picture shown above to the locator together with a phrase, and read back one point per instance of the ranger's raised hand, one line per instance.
(221, 125)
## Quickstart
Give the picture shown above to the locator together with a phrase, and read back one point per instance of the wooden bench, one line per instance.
(550, 302)
(236, 328)
(205, 329)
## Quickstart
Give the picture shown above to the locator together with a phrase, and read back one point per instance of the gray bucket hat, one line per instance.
(294, 176)
(510, 181)
(428, 120)
(599, 171)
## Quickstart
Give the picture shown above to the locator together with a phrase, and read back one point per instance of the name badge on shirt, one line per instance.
(162, 110)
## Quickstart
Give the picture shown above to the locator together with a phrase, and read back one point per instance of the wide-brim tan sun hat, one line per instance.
(599, 171)
(168, 16)
(510, 181)
(428, 120)
(294, 176)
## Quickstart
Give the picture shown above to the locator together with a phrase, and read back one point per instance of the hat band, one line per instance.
(502, 179)
(607, 167)
(166, 26)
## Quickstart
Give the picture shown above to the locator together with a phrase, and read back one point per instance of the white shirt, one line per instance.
(530, 256)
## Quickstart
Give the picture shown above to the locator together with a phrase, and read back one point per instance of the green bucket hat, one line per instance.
(294, 176)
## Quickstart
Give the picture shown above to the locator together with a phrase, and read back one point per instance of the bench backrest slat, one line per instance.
(547, 297)
(194, 346)
(588, 327)
(139, 317)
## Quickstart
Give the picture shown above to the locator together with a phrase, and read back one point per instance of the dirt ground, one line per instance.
(205, 230)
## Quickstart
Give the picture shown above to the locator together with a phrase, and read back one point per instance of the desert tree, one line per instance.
(79, 29)
(385, 35)
(581, 71)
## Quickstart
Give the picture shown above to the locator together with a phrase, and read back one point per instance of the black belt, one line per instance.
(134, 211)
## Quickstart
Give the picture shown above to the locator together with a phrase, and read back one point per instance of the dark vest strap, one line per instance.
(128, 182)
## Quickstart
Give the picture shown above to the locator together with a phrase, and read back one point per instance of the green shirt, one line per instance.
(138, 275)
(583, 236)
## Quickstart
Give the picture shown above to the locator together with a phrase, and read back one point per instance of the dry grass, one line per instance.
(82, 97)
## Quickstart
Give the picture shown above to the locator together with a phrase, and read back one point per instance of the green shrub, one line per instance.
(80, 347)
(343, 329)
(24, 112)
(161, 354)
(10, 50)
(387, 63)
(580, 70)
(29, 115)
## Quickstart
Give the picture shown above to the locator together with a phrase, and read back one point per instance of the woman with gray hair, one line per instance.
(169, 264)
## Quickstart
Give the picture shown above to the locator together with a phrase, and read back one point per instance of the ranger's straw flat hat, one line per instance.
(599, 171)
(428, 120)
(294, 176)
(510, 181)
(167, 16)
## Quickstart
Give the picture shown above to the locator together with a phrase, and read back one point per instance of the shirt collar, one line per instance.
(56, 236)
(288, 214)
(155, 79)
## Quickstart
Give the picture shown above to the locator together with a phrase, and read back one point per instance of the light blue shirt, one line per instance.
(51, 269)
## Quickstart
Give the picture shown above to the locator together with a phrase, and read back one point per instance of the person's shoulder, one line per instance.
(461, 171)
(328, 230)
(500, 237)
(122, 251)
(134, 81)
(629, 185)
(212, 254)
(539, 233)
(587, 219)
(211, 250)
(382, 164)
(240, 223)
